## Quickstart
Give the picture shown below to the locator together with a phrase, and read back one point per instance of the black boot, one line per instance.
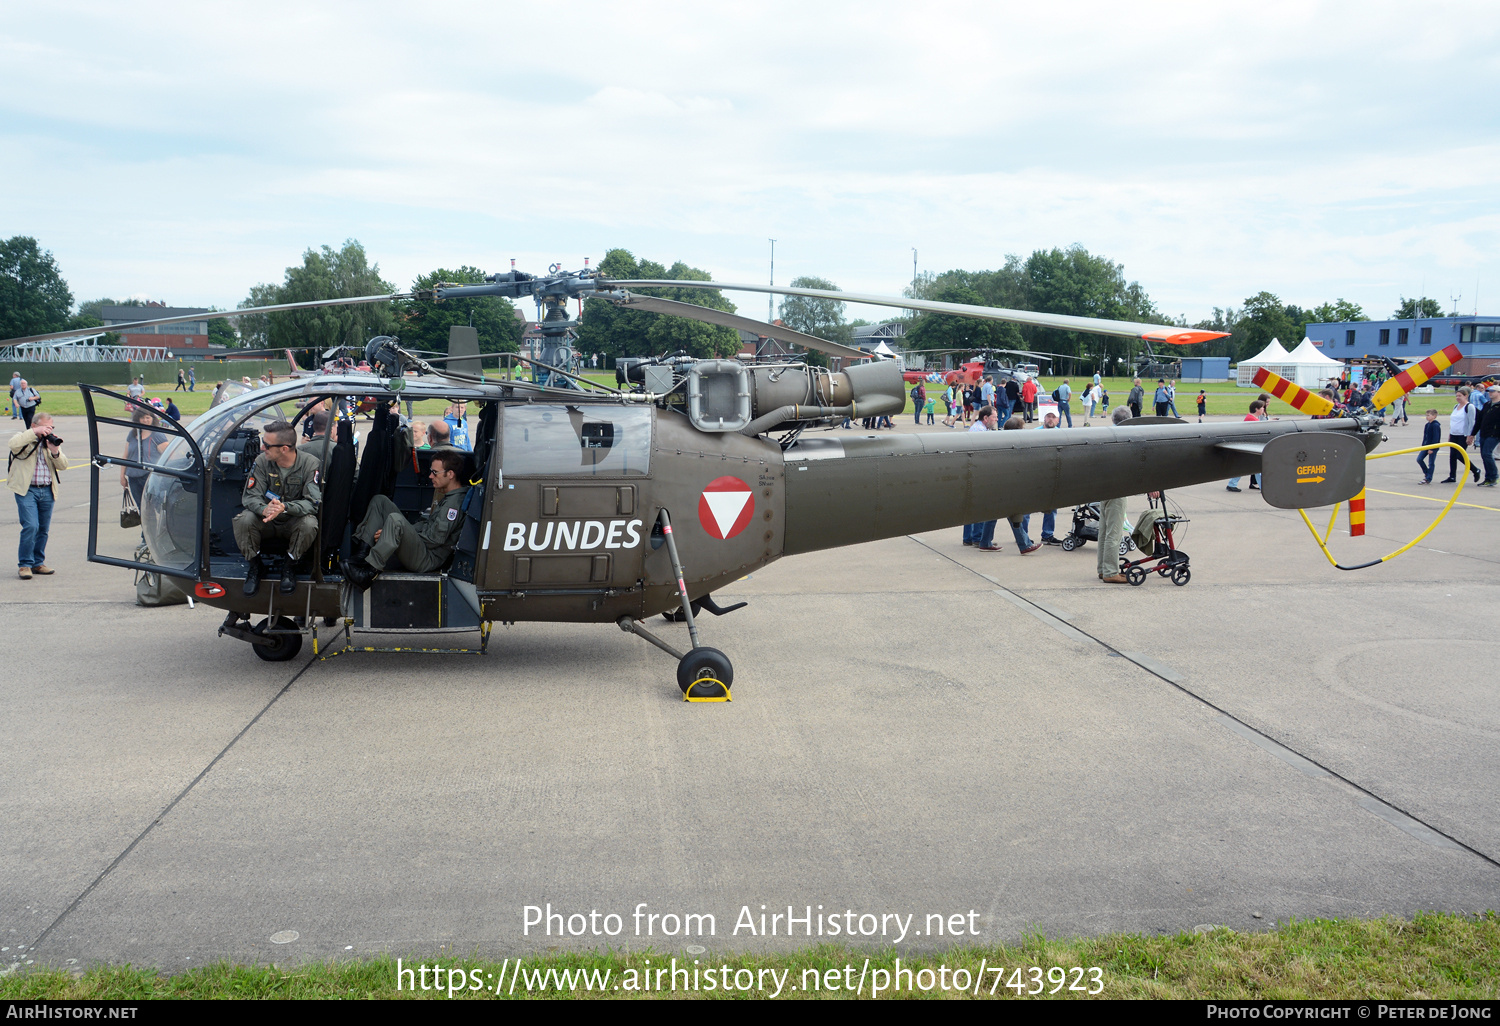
(288, 577)
(252, 576)
(360, 574)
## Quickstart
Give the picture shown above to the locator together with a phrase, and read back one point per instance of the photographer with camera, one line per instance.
(36, 462)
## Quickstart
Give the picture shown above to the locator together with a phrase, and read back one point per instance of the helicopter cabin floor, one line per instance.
(918, 728)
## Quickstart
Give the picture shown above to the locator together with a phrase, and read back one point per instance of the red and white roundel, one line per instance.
(726, 507)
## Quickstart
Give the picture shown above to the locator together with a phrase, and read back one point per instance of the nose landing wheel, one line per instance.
(704, 675)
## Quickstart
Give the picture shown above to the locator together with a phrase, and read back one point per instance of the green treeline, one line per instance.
(35, 298)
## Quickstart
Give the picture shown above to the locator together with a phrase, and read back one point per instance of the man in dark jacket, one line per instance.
(1012, 397)
(1488, 430)
(1137, 396)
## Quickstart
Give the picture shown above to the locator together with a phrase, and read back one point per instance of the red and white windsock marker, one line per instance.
(726, 507)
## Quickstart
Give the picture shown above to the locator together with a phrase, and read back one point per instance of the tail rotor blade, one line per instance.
(1414, 377)
(1292, 394)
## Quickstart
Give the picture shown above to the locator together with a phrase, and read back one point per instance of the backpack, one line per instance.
(1057, 396)
(155, 589)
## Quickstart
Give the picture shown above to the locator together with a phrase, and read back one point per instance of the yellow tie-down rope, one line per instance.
(1323, 541)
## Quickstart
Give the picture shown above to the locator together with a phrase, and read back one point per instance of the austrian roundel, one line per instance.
(726, 507)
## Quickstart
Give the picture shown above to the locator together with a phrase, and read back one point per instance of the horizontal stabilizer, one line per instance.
(1253, 448)
(1144, 421)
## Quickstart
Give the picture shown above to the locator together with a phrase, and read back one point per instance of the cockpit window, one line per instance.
(210, 430)
(600, 441)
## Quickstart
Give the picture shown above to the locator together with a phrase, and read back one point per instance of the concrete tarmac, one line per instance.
(995, 742)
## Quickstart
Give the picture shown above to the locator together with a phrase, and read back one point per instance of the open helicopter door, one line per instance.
(147, 489)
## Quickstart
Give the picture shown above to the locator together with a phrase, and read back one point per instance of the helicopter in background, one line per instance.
(591, 503)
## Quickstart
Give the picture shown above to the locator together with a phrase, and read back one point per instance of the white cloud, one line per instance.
(1314, 150)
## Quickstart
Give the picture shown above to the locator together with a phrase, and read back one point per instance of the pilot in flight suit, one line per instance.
(423, 547)
(292, 477)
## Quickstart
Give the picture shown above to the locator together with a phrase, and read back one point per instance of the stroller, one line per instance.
(1155, 529)
(1086, 529)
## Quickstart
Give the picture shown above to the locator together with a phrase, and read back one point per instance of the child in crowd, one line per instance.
(1202, 404)
(1432, 433)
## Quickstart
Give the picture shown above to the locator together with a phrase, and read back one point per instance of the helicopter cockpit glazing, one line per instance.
(172, 512)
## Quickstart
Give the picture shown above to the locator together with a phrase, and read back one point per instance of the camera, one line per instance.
(52, 440)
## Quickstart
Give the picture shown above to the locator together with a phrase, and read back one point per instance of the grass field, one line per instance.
(1440, 955)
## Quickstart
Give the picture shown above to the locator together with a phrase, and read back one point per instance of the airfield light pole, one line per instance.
(914, 272)
(770, 300)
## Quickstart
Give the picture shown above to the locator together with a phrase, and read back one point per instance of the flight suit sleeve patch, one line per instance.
(250, 483)
(453, 514)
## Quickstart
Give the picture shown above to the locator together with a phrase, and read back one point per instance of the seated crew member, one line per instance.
(422, 547)
(281, 500)
(319, 426)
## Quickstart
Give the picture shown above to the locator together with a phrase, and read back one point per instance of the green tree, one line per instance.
(1006, 287)
(963, 335)
(255, 329)
(427, 322)
(1224, 319)
(34, 299)
(1263, 318)
(1075, 281)
(222, 333)
(612, 332)
(1411, 309)
(1335, 312)
(324, 274)
(820, 318)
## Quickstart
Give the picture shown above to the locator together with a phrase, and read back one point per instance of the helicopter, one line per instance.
(591, 503)
(971, 372)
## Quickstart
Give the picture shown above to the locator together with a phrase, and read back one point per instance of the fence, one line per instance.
(151, 372)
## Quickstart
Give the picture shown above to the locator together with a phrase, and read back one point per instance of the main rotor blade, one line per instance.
(213, 315)
(1096, 325)
(653, 304)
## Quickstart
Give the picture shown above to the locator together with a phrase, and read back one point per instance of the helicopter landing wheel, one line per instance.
(284, 646)
(705, 675)
(1136, 576)
(1070, 543)
(1181, 576)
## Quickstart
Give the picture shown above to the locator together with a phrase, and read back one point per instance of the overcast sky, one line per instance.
(188, 151)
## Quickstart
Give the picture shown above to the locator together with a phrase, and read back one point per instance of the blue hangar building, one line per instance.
(1477, 337)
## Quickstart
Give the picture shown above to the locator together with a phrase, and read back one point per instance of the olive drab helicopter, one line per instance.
(590, 503)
